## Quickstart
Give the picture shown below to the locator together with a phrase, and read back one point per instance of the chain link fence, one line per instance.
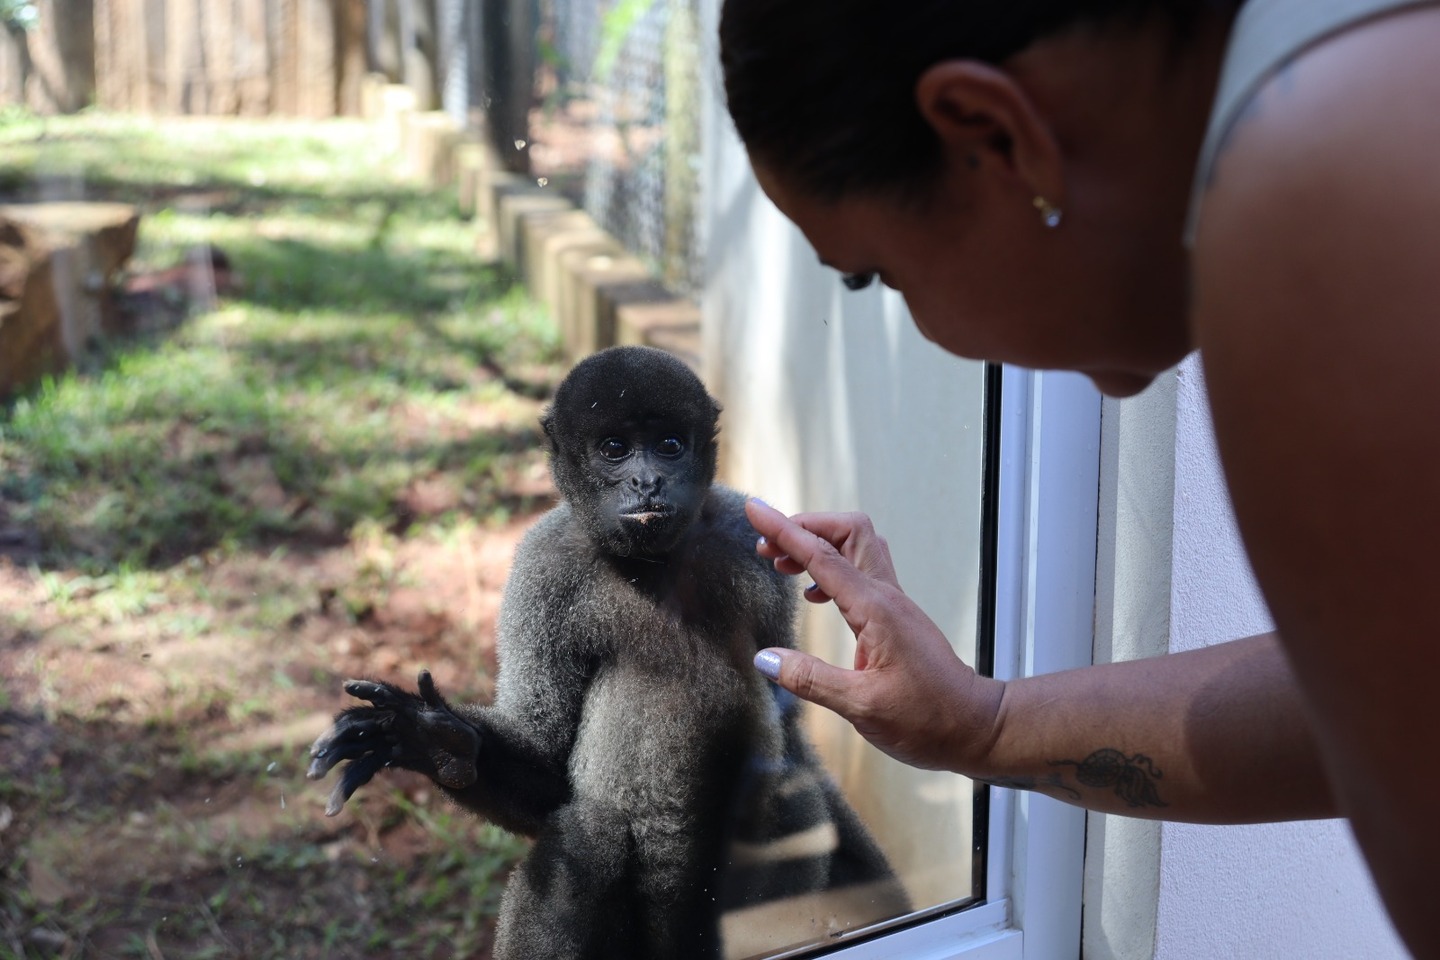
(627, 73)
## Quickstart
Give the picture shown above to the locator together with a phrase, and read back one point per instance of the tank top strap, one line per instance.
(1268, 34)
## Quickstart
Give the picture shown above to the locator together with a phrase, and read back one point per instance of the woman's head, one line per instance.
(935, 144)
(823, 92)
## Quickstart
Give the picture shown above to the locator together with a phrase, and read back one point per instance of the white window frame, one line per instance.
(1048, 502)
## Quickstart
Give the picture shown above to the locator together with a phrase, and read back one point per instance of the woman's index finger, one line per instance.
(813, 550)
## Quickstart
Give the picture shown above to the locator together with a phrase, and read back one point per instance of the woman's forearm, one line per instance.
(1217, 735)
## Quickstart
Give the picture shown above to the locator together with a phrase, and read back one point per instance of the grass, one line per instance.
(362, 304)
(221, 517)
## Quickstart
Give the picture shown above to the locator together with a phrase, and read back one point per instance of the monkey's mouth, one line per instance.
(647, 515)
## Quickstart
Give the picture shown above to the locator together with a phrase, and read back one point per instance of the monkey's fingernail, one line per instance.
(768, 663)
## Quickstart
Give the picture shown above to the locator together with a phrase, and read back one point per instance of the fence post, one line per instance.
(61, 55)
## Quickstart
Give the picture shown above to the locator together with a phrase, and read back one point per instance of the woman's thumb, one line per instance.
(809, 678)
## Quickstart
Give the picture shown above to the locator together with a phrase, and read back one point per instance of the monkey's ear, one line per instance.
(547, 423)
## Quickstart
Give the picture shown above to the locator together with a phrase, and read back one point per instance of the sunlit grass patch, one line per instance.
(223, 516)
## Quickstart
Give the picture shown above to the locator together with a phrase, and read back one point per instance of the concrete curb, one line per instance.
(599, 294)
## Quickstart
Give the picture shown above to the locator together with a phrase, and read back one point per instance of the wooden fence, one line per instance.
(301, 58)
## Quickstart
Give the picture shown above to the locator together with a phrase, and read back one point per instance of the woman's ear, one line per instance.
(982, 117)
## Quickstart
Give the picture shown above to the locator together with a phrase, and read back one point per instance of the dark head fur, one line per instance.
(630, 391)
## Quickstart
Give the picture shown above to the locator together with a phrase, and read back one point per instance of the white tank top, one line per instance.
(1267, 35)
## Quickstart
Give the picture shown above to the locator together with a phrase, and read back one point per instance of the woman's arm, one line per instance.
(1211, 735)
(1215, 735)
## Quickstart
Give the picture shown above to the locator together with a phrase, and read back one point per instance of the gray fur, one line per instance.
(630, 734)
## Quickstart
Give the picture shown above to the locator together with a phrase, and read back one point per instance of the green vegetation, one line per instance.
(212, 522)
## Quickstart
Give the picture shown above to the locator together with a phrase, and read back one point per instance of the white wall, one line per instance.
(1179, 891)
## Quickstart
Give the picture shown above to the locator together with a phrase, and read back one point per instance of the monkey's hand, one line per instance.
(400, 729)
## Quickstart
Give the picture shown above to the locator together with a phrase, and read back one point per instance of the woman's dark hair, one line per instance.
(823, 91)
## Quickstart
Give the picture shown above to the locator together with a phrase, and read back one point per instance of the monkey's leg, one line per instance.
(680, 877)
(573, 896)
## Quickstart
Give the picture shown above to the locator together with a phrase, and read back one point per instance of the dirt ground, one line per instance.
(155, 718)
(146, 770)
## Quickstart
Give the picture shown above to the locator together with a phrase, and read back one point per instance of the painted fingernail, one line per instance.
(812, 588)
(761, 542)
(768, 663)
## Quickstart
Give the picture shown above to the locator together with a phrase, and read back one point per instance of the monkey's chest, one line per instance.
(662, 738)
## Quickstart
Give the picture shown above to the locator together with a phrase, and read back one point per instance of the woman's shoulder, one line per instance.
(1330, 169)
(1267, 39)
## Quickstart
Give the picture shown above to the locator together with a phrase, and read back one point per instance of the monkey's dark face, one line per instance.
(632, 440)
(653, 485)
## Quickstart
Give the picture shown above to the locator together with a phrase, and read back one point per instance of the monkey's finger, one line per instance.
(348, 739)
(320, 763)
(356, 774)
(380, 694)
(430, 693)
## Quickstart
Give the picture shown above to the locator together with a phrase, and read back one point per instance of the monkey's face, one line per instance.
(632, 448)
(648, 485)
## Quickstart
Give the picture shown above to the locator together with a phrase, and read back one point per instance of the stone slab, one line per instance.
(671, 324)
(587, 324)
(545, 237)
(60, 301)
(516, 202)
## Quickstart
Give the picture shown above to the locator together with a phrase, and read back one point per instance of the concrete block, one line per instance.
(396, 100)
(670, 323)
(545, 237)
(586, 324)
(372, 95)
(428, 142)
(516, 203)
(471, 162)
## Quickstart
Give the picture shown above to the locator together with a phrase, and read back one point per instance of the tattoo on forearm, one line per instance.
(1132, 778)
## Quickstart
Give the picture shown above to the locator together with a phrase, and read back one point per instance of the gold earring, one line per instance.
(1050, 215)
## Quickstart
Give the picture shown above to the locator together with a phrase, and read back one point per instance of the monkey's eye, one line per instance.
(857, 281)
(614, 449)
(670, 448)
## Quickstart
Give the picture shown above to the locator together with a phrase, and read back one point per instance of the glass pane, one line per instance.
(857, 412)
(284, 288)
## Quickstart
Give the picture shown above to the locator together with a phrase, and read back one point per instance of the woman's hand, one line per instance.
(908, 694)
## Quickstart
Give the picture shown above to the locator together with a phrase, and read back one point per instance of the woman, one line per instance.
(1104, 187)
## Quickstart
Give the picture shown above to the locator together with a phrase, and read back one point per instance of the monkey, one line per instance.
(664, 782)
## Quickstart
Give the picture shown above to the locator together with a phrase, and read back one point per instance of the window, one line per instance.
(992, 527)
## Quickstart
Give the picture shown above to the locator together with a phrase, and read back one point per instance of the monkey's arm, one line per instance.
(1212, 735)
(469, 751)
